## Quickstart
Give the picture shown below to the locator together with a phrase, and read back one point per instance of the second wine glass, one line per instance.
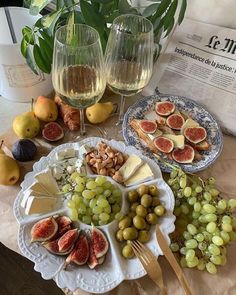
(129, 56)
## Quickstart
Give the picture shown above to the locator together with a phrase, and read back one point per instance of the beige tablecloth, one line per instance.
(224, 283)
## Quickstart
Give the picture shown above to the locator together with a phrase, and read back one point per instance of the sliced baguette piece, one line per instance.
(202, 146)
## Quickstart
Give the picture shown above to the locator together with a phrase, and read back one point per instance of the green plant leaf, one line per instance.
(111, 17)
(28, 35)
(37, 5)
(108, 8)
(182, 11)
(162, 7)
(102, 1)
(79, 19)
(60, 4)
(47, 38)
(124, 6)
(71, 18)
(170, 27)
(40, 61)
(23, 47)
(49, 20)
(170, 14)
(150, 10)
(46, 51)
(31, 61)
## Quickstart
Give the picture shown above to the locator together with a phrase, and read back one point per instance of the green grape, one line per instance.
(97, 210)
(74, 175)
(71, 204)
(87, 194)
(222, 205)
(100, 180)
(214, 192)
(233, 222)
(183, 262)
(192, 201)
(226, 219)
(119, 216)
(213, 249)
(116, 208)
(202, 246)
(175, 187)
(80, 180)
(201, 264)
(107, 209)
(183, 250)
(174, 247)
(173, 173)
(82, 208)
(66, 188)
(190, 254)
(216, 259)
(187, 191)
(198, 189)
(112, 199)
(232, 203)
(199, 237)
(194, 194)
(195, 222)
(100, 222)
(195, 215)
(184, 209)
(116, 193)
(86, 219)
(209, 208)
(202, 219)
(211, 268)
(232, 235)
(210, 217)
(183, 181)
(98, 190)
(101, 197)
(107, 185)
(92, 203)
(211, 227)
(193, 262)
(225, 236)
(102, 203)
(217, 240)
(107, 193)
(207, 236)
(104, 216)
(227, 227)
(73, 214)
(77, 199)
(207, 196)
(191, 229)
(211, 180)
(86, 202)
(187, 235)
(191, 244)
(197, 207)
(95, 217)
(91, 185)
(89, 211)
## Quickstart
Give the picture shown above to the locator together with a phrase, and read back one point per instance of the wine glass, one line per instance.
(129, 56)
(78, 67)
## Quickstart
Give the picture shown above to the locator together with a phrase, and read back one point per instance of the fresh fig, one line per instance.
(67, 240)
(92, 260)
(64, 224)
(101, 259)
(80, 253)
(163, 144)
(54, 248)
(195, 134)
(24, 150)
(52, 132)
(99, 241)
(164, 108)
(175, 121)
(148, 126)
(185, 155)
(44, 230)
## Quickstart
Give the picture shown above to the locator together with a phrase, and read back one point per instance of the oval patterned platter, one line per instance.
(188, 106)
(115, 269)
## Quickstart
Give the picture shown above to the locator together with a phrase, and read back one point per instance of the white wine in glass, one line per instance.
(78, 67)
(129, 56)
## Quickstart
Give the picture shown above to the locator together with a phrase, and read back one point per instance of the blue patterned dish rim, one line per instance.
(193, 109)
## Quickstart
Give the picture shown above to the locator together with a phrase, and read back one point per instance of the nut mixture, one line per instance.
(106, 161)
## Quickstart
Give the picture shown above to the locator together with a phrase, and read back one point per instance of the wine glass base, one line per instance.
(90, 131)
(117, 131)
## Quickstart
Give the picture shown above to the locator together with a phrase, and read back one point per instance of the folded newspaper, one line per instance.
(199, 62)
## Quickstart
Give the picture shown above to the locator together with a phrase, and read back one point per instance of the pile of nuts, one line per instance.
(105, 160)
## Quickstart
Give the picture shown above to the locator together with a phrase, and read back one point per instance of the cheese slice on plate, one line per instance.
(26, 195)
(39, 205)
(178, 140)
(38, 188)
(130, 167)
(144, 173)
(48, 182)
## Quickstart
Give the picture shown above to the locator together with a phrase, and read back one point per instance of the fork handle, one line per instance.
(162, 287)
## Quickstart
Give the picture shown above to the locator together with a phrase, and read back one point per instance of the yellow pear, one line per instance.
(26, 125)
(45, 109)
(99, 112)
(9, 170)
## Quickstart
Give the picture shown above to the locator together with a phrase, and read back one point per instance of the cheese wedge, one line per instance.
(24, 200)
(144, 173)
(178, 140)
(39, 205)
(48, 182)
(38, 188)
(188, 123)
(130, 167)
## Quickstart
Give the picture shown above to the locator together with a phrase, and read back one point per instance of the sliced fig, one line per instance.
(185, 155)
(148, 126)
(163, 144)
(100, 243)
(80, 253)
(195, 134)
(101, 259)
(188, 123)
(175, 121)
(92, 260)
(54, 248)
(68, 239)
(64, 224)
(161, 120)
(44, 230)
(164, 108)
(52, 131)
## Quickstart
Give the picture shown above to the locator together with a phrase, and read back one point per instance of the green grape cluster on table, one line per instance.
(93, 200)
(205, 222)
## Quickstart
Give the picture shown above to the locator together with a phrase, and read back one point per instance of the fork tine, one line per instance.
(139, 253)
(140, 257)
(148, 254)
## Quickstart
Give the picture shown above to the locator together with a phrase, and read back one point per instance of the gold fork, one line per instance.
(150, 264)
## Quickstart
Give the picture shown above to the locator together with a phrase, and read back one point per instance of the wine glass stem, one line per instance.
(122, 109)
(82, 125)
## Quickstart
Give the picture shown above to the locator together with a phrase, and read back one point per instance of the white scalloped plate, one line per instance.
(115, 269)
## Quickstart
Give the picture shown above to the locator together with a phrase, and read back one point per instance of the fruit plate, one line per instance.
(115, 269)
(196, 112)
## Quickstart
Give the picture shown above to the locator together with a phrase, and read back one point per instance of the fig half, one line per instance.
(44, 230)
(148, 126)
(54, 248)
(68, 239)
(175, 121)
(92, 260)
(99, 241)
(185, 155)
(195, 134)
(164, 108)
(163, 144)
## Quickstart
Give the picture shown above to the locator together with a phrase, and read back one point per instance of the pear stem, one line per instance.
(32, 104)
(1, 143)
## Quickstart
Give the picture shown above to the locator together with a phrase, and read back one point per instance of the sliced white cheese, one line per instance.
(178, 140)
(38, 205)
(48, 182)
(70, 169)
(144, 173)
(60, 155)
(72, 161)
(69, 153)
(130, 167)
(151, 115)
(188, 123)
(156, 134)
(38, 188)
(25, 198)
(83, 150)
(57, 172)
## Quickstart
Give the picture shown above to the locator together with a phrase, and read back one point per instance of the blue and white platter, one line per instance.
(185, 105)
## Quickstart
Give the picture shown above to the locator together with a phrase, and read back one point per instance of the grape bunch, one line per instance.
(92, 200)
(205, 222)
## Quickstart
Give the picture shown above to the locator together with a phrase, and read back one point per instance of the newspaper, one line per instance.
(199, 62)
